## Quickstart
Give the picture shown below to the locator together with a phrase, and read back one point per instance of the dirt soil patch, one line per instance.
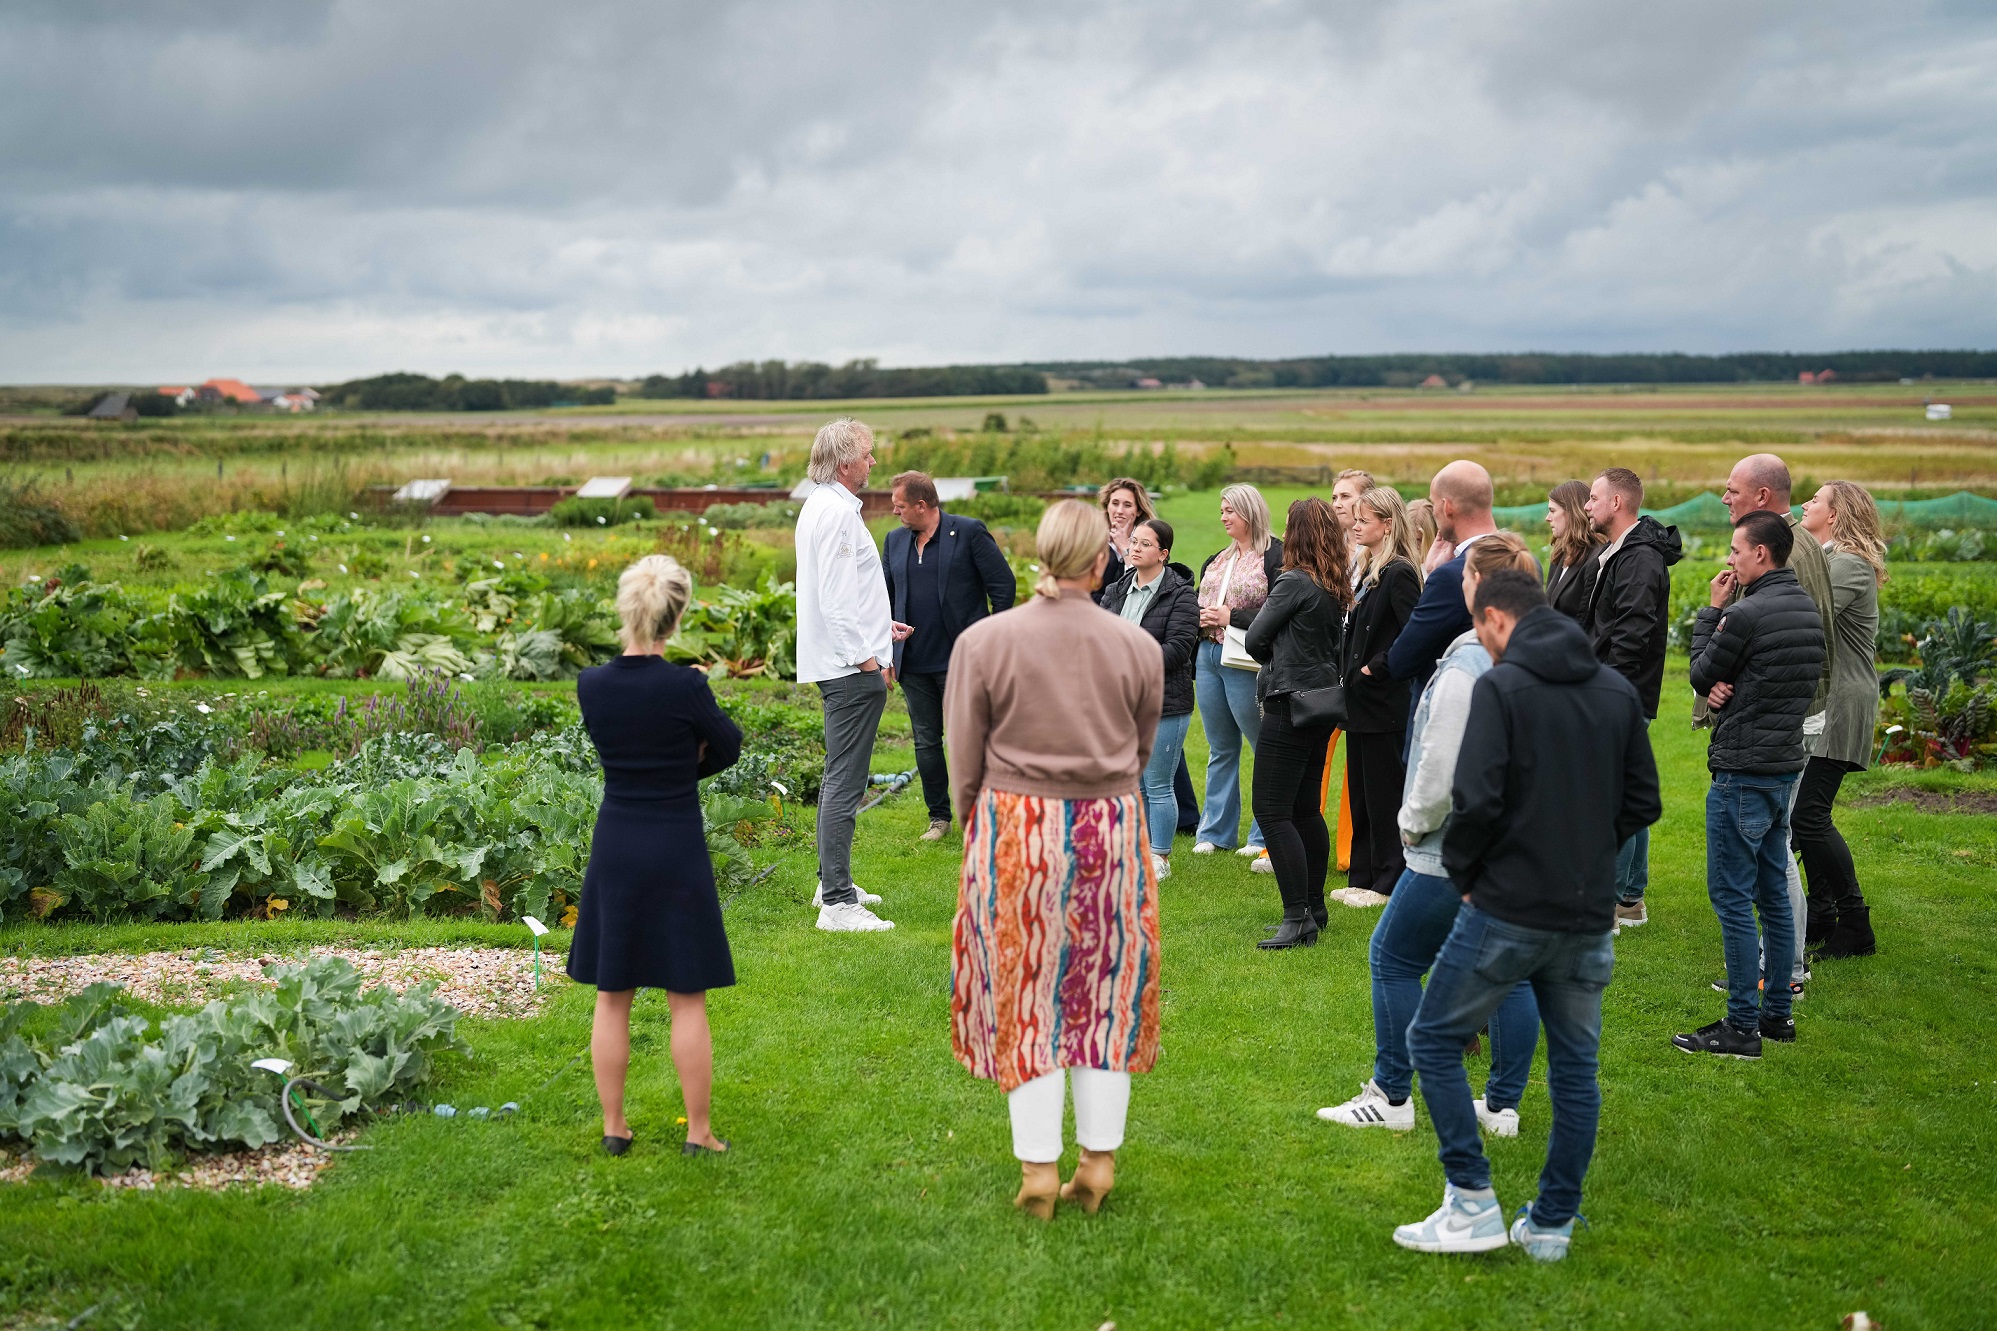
(1934, 801)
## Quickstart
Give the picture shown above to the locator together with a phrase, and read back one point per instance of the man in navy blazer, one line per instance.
(1461, 494)
(944, 573)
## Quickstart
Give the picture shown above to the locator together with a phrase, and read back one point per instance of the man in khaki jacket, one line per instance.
(1760, 483)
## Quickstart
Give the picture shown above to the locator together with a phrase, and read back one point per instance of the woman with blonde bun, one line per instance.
(1051, 711)
(649, 917)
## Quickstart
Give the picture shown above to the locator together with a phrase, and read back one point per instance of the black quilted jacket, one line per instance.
(1770, 646)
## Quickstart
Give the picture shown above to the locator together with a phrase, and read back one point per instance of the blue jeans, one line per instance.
(1412, 927)
(1747, 871)
(1229, 714)
(1481, 962)
(1161, 801)
(1633, 868)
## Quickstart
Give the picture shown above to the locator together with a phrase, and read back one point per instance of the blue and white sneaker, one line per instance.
(1461, 1224)
(1541, 1243)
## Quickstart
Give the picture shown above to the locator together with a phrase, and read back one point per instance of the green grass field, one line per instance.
(871, 1179)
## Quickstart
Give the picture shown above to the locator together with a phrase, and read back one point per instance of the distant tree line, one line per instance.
(454, 392)
(860, 378)
(1527, 368)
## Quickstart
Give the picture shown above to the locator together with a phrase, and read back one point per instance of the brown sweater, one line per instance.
(1054, 698)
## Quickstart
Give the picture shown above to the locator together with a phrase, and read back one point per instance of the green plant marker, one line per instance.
(536, 928)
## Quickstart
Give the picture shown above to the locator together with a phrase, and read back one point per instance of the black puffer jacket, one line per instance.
(1296, 636)
(1770, 646)
(1173, 618)
(1629, 611)
(1554, 774)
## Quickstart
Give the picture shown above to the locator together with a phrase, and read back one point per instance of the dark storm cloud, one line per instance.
(607, 185)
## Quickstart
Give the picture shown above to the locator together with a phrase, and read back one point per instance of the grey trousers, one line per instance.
(853, 705)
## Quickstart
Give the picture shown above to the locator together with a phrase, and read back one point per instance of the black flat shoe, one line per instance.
(695, 1148)
(616, 1145)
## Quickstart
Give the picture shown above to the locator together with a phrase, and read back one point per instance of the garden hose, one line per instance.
(890, 784)
(284, 1103)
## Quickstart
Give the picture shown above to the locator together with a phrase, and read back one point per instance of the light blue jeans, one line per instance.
(1229, 714)
(1161, 801)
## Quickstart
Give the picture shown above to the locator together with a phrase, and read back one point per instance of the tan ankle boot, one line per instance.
(1094, 1177)
(1039, 1185)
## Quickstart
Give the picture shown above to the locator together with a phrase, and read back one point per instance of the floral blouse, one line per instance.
(1248, 589)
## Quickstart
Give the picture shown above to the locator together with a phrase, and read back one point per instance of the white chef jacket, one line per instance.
(843, 617)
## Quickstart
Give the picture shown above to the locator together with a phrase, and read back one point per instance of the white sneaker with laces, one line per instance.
(1497, 1122)
(1337, 894)
(1369, 1109)
(1263, 865)
(1246, 851)
(1363, 896)
(1161, 868)
(866, 898)
(1460, 1224)
(851, 918)
(1204, 848)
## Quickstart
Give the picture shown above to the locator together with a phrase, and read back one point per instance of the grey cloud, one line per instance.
(618, 186)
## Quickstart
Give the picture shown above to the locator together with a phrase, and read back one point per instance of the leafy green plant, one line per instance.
(106, 1089)
(744, 633)
(392, 635)
(238, 625)
(573, 512)
(128, 856)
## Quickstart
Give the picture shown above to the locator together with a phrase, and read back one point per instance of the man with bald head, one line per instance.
(1461, 495)
(1760, 483)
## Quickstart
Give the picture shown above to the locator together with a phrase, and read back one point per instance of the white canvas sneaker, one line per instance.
(1161, 868)
(1361, 897)
(1369, 1109)
(866, 898)
(851, 918)
(1460, 1224)
(1262, 865)
(1247, 851)
(1497, 1122)
(1204, 848)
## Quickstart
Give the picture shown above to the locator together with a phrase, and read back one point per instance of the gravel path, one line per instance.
(286, 1164)
(478, 981)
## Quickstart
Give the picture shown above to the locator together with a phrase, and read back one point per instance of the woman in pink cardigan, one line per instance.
(1050, 712)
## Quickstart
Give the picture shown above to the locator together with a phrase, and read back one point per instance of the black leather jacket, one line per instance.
(1296, 636)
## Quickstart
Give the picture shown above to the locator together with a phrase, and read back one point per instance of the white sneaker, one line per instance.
(1337, 893)
(1161, 868)
(1363, 896)
(851, 918)
(1263, 865)
(866, 898)
(1369, 1109)
(1246, 851)
(1497, 1122)
(1204, 848)
(1460, 1224)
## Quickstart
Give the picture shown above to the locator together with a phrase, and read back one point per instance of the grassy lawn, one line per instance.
(872, 1177)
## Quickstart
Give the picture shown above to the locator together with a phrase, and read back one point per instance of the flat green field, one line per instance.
(871, 1179)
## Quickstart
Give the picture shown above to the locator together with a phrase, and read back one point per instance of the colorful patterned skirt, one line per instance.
(1054, 963)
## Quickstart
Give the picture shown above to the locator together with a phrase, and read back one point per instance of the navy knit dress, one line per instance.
(649, 917)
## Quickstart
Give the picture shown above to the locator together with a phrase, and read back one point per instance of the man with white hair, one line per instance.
(845, 642)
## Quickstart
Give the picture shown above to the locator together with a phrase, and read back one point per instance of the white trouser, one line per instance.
(1102, 1099)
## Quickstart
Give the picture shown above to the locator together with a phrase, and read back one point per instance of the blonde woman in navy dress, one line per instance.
(649, 916)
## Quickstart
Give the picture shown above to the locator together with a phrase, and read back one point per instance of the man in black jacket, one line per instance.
(1555, 773)
(1629, 621)
(942, 573)
(1755, 661)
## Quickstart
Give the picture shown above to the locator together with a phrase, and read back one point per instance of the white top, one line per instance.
(1427, 799)
(843, 616)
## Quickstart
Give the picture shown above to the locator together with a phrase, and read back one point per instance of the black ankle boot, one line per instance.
(1819, 925)
(1853, 937)
(1300, 931)
(1320, 916)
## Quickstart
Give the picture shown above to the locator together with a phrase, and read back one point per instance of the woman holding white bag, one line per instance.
(1233, 585)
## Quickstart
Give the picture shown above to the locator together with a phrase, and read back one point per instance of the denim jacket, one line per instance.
(1433, 741)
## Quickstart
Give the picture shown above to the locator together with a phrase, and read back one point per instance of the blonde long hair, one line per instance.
(1071, 536)
(1249, 505)
(1855, 526)
(1421, 516)
(1387, 505)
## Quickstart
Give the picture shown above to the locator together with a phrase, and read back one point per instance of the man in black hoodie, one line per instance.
(1755, 661)
(1554, 774)
(1629, 621)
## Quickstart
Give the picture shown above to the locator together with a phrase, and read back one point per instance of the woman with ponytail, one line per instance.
(1050, 713)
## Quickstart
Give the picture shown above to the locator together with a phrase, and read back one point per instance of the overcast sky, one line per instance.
(327, 188)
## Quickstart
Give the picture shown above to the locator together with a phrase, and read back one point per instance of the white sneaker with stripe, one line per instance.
(1370, 1109)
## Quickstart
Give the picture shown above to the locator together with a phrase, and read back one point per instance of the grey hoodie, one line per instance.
(1433, 740)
